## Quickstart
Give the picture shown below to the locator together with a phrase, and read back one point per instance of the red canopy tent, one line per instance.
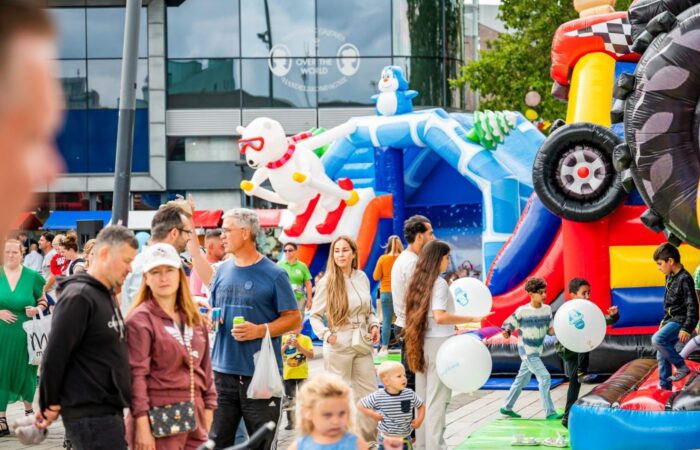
(269, 218)
(205, 218)
(28, 221)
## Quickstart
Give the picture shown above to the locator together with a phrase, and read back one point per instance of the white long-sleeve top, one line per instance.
(359, 304)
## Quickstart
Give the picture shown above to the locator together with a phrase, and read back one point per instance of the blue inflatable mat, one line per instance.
(503, 383)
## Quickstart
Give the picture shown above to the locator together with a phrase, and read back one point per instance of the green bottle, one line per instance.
(238, 320)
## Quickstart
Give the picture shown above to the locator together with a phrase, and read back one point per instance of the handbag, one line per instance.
(361, 338)
(178, 417)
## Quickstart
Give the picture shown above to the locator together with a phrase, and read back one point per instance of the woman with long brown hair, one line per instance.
(343, 295)
(382, 273)
(430, 321)
(168, 353)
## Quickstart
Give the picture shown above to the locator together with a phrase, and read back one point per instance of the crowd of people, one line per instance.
(132, 331)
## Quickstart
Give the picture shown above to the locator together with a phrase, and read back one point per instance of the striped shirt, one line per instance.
(397, 410)
(533, 325)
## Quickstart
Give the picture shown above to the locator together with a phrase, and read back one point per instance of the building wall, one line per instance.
(207, 66)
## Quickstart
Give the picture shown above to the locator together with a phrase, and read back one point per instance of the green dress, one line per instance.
(17, 376)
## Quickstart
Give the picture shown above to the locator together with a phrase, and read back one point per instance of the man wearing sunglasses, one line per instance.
(172, 225)
(299, 276)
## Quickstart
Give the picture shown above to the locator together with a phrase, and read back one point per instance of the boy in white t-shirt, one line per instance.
(533, 322)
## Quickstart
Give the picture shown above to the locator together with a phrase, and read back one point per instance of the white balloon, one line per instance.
(463, 363)
(579, 325)
(472, 297)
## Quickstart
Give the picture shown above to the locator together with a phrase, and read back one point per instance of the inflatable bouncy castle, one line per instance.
(470, 173)
(623, 176)
(592, 216)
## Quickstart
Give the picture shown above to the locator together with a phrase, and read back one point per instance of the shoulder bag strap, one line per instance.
(189, 332)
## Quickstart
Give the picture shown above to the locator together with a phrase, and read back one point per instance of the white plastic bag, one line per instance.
(37, 330)
(266, 382)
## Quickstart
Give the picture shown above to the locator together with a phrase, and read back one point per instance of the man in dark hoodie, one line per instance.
(86, 376)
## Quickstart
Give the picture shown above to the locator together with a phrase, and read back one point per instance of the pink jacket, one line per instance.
(160, 364)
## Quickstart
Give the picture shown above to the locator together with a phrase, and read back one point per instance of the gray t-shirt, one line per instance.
(46, 264)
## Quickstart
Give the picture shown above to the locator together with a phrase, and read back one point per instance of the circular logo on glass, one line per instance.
(347, 60)
(280, 60)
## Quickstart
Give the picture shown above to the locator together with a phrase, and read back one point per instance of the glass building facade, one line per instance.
(208, 65)
(309, 53)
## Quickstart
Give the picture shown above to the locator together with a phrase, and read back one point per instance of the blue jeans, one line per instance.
(664, 341)
(532, 365)
(387, 315)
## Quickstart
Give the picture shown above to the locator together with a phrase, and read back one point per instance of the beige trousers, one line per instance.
(356, 369)
(435, 395)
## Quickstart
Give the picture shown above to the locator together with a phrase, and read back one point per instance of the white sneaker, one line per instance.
(383, 351)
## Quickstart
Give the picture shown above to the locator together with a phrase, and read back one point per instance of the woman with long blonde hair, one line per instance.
(430, 321)
(344, 297)
(382, 273)
(168, 353)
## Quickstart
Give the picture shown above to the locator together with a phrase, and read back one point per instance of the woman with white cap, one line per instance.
(169, 358)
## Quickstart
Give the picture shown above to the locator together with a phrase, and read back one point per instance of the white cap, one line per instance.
(160, 255)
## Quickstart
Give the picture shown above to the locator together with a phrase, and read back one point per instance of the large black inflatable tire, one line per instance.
(573, 172)
(662, 117)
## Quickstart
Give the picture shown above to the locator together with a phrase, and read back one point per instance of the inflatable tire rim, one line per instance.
(573, 172)
(582, 173)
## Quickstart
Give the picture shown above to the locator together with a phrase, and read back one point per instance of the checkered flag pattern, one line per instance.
(616, 35)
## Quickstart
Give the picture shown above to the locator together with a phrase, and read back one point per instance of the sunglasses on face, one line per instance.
(256, 143)
(288, 250)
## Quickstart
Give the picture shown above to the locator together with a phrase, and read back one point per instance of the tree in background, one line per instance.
(426, 52)
(518, 61)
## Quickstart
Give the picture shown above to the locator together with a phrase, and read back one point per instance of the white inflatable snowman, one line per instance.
(295, 172)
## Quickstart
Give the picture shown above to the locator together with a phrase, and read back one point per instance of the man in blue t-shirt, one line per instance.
(258, 290)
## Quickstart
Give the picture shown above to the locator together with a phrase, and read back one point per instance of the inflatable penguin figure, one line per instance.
(394, 97)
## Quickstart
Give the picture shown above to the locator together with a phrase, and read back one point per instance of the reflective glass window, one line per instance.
(73, 76)
(425, 75)
(454, 97)
(104, 83)
(102, 140)
(71, 31)
(105, 32)
(418, 28)
(287, 26)
(72, 141)
(279, 83)
(359, 23)
(345, 85)
(454, 37)
(203, 29)
(204, 83)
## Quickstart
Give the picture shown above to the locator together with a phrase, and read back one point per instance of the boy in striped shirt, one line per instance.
(533, 322)
(393, 407)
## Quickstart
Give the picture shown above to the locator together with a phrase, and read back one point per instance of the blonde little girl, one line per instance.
(325, 416)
